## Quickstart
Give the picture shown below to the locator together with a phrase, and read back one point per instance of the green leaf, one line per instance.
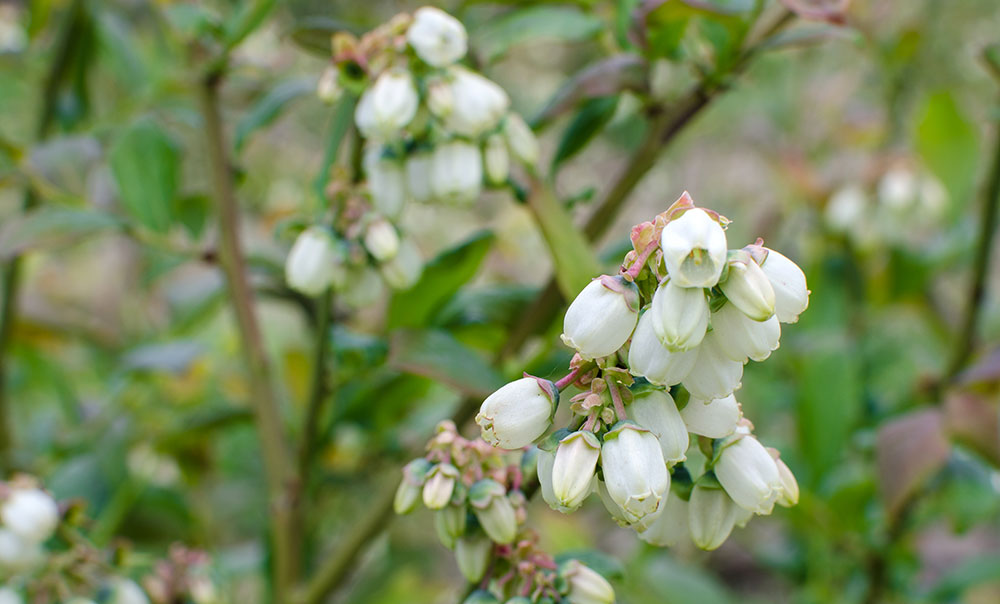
(437, 355)
(949, 144)
(145, 164)
(588, 122)
(575, 263)
(192, 211)
(268, 108)
(51, 227)
(548, 22)
(975, 570)
(340, 123)
(605, 78)
(442, 277)
(248, 18)
(674, 582)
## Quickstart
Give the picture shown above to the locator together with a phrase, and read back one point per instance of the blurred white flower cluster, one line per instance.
(475, 492)
(660, 351)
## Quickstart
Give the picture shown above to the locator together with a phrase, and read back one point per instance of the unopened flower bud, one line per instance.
(680, 315)
(789, 486)
(17, 554)
(713, 375)
(494, 510)
(456, 174)
(381, 240)
(450, 523)
(601, 318)
(418, 176)
(544, 462)
(437, 37)
(386, 181)
(648, 358)
(126, 591)
(388, 105)
(31, 514)
(405, 268)
(479, 103)
(586, 586)
(440, 99)
(655, 410)
(670, 526)
(314, 262)
(518, 413)
(749, 475)
(740, 337)
(473, 556)
(634, 470)
(521, 140)
(791, 296)
(408, 492)
(481, 596)
(328, 89)
(714, 418)
(897, 189)
(440, 485)
(711, 514)
(496, 160)
(694, 249)
(573, 469)
(748, 288)
(9, 596)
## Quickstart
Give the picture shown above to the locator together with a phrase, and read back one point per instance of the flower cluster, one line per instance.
(660, 351)
(475, 492)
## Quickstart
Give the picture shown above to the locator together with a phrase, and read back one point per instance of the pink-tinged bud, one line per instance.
(634, 470)
(30, 513)
(518, 413)
(496, 160)
(437, 37)
(456, 174)
(479, 103)
(440, 485)
(586, 586)
(387, 106)
(472, 553)
(740, 337)
(655, 410)
(714, 375)
(386, 181)
(381, 240)
(748, 288)
(680, 316)
(601, 318)
(403, 270)
(573, 469)
(494, 510)
(314, 262)
(711, 514)
(694, 249)
(716, 418)
(408, 492)
(648, 358)
(791, 296)
(749, 475)
(670, 526)
(521, 140)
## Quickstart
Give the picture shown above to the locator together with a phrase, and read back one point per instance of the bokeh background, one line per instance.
(861, 143)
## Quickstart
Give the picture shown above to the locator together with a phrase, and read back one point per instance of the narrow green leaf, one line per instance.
(145, 163)
(442, 277)
(575, 263)
(949, 144)
(313, 33)
(192, 211)
(437, 355)
(270, 106)
(546, 22)
(588, 122)
(605, 78)
(340, 123)
(249, 16)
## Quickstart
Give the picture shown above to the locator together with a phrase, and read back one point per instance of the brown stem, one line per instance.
(278, 466)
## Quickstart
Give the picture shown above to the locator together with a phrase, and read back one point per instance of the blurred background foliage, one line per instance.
(859, 140)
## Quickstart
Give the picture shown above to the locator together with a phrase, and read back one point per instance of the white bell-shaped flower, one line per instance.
(456, 172)
(418, 176)
(439, 486)
(749, 475)
(387, 106)
(740, 337)
(386, 181)
(711, 514)
(573, 470)
(545, 460)
(479, 103)
(680, 315)
(601, 318)
(586, 586)
(694, 249)
(521, 140)
(649, 359)
(496, 160)
(714, 375)
(17, 554)
(634, 470)
(670, 525)
(748, 287)
(791, 296)
(403, 270)
(381, 240)
(518, 413)
(655, 410)
(437, 37)
(313, 263)
(789, 486)
(30, 513)
(716, 418)
(617, 514)
(493, 510)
